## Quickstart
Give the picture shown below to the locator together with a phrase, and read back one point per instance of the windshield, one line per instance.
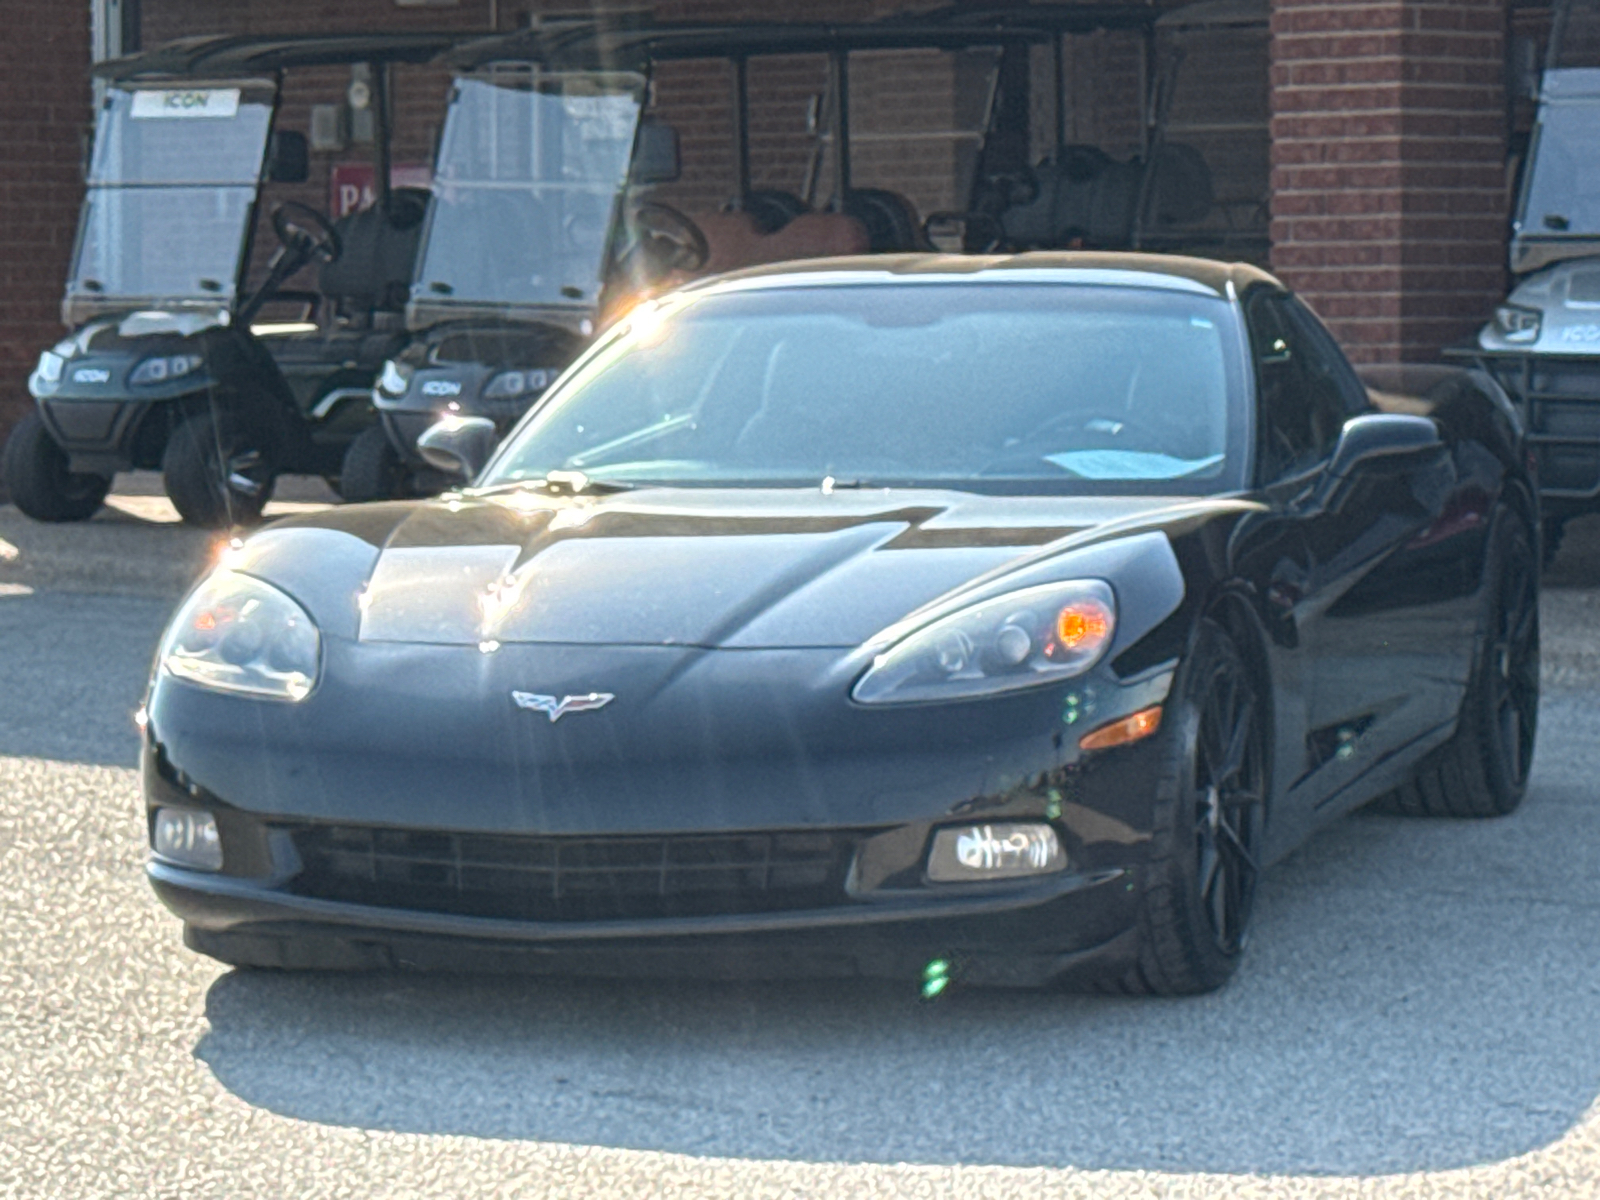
(528, 176)
(998, 387)
(172, 182)
(1563, 194)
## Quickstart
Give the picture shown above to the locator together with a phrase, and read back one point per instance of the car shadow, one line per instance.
(1419, 996)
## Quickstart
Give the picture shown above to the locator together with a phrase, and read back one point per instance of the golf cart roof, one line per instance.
(1208, 15)
(227, 57)
(632, 42)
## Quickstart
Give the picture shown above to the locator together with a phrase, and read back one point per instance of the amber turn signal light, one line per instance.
(1083, 624)
(1119, 733)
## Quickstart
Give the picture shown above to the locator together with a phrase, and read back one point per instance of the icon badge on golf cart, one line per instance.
(556, 709)
(441, 387)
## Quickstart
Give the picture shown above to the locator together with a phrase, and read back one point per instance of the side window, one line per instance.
(1305, 395)
(1335, 370)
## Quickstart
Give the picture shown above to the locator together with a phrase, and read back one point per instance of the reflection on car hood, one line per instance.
(738, 570)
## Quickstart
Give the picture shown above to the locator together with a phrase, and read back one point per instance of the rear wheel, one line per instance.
(41, 481)
(216, 474)
(1199, 889)
(1482, 771)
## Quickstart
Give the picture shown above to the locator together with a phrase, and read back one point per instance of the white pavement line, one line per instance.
(15, 589)
(8, 552)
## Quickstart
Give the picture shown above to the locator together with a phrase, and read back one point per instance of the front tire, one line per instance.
(1198, 891)
(216, 475)
(1482, 771)
(372, 469)
(39, 476)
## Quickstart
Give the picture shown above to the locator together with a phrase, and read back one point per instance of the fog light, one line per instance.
(187, 838)
(971, 852)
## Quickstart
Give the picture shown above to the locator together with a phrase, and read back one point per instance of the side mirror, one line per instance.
(657, 157)
(1376, 437)
(288, 159)
(459, 446)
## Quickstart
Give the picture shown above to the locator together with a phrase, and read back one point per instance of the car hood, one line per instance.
(744, 570)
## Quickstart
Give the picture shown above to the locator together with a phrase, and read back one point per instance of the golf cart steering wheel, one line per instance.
(303, 229)
(665, 237)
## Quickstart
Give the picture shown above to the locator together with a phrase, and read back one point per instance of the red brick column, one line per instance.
(44, 110)
(1389, 186)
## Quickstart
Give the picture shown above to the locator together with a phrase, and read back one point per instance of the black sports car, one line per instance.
(993, 619)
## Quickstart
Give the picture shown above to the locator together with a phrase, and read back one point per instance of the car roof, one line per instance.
(1165, 272)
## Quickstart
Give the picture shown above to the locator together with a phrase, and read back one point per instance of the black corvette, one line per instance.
(947, 618)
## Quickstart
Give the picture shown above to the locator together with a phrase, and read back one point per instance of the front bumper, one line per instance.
(391, 820)
(1052, 931)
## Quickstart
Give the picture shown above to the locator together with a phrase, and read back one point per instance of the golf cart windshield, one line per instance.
(1564, 180)
(171, 187)
(527, 181)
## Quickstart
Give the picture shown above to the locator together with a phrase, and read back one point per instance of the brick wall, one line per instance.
(1389, 183)
(44, 110)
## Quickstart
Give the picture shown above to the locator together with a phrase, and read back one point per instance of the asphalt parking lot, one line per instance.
(1419, 1014)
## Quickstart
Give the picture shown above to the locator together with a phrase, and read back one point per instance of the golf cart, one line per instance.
(175, 360)
(562, 132)
(1543, 344)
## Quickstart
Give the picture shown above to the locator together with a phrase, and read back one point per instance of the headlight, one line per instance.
(160, 370)
(1518, 324)
(237, 634)
(394, 381)
(1019, 640)
(508, 385)
(49, 368)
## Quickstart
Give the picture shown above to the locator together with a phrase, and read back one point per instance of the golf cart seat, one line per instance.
(1084, 196)
(374, 269)
(736, 239)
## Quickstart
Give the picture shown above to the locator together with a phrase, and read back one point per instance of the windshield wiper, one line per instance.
(562, 483)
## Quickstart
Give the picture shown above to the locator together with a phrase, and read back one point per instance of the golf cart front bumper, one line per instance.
(1557, 397)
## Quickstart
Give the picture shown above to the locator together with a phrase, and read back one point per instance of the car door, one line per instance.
(1385, 619)
(1280, 550)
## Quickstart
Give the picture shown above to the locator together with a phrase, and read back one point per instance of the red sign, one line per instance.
(351, 185)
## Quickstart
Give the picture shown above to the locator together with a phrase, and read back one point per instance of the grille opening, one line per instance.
(573, 879)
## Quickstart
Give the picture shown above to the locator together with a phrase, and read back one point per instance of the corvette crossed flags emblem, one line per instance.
(556, 709)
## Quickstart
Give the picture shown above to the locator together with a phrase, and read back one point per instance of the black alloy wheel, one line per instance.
(1482, 771)
(216, 475)
(1231, 791)
(40, 478)
(1198, 892)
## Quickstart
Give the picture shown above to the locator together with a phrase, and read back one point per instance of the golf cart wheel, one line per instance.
(372, 469)
(216, 475)
(1554, 530)
(41, 481)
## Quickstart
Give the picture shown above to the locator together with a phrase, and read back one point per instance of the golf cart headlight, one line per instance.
(394, 381)
(1518, 324)
(237, 634)
(510, 385)
(49, 368)
(1022, 639)
(162, 369)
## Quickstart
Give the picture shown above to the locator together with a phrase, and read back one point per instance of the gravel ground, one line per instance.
(1418, 1015)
